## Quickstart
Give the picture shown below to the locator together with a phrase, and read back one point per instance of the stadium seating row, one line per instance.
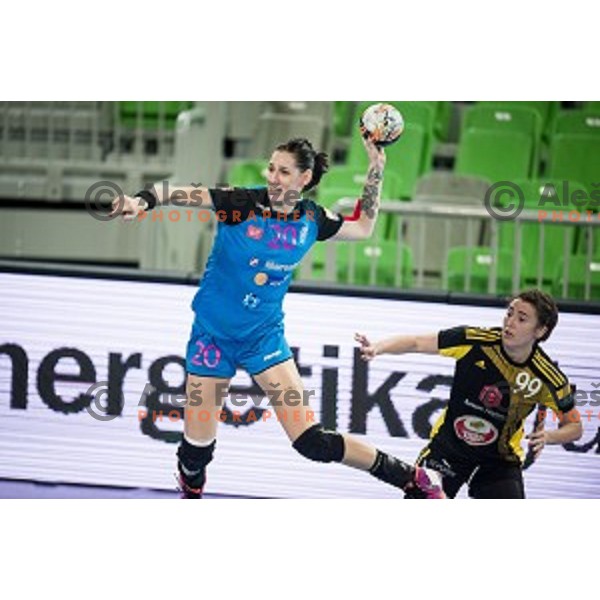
(531, 144)
(471, 269)
(499, 142)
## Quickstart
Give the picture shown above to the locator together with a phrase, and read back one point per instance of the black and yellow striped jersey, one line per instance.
(492, 395)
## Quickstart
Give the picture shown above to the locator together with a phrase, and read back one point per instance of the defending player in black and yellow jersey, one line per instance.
(501, 375)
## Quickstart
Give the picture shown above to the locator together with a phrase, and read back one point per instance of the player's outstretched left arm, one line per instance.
(401, 344)
(362, 227)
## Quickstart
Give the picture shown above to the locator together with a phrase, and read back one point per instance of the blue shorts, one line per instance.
(210, 356)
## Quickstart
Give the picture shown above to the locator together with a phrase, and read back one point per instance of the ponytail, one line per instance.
(307, 158)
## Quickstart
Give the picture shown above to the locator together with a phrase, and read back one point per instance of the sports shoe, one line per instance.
(429, 483)
(187, 492)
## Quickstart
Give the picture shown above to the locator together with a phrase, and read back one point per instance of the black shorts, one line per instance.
(485, 479)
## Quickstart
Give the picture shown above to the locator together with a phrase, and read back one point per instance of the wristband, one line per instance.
(149, 197)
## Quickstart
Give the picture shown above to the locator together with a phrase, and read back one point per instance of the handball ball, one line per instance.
(382, 124)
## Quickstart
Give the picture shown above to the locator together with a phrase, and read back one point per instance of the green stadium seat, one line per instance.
(578, 269)
(442, 111)
(251, 173)
(432, 236)
(443, 120)
(350, 180)
(479, 261)
(500, 144)
(343, 117)
(371, 262)
(151, 114)
(575, 155)
(547, 111)
(582, 122)
(374, 262)
(313, 265)
(546, 195)
(499, 117)
(495, 155)
(327, 196)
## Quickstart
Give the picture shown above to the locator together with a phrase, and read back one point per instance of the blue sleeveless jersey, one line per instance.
(253, 256)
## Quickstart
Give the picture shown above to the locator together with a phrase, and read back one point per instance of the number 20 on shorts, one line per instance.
(206, 356)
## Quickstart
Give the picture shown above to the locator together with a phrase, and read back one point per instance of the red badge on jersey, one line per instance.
(490, 396)
(254, 232)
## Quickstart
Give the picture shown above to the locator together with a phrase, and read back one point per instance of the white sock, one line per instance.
(198, 443)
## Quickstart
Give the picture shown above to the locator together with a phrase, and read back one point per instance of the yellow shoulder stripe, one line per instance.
(456, 352)
(485, 335)
(549, 371)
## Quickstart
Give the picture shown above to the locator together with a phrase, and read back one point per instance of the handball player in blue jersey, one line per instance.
(262, 235)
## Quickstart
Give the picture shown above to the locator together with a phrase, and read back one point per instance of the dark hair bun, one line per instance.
(322, 162)
(307, 158)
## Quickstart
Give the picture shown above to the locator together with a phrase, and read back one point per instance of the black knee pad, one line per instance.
(194, 458)
(320, 445)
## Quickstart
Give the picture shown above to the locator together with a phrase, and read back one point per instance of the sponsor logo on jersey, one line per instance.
(253, 262)
(250, 301)
(487, 411)
(278, 282)
(490, 396)
(442, 466)
(275, 266)
(475, 431)
(272, 355)
(261, 278)
(254, 232)
(480, 364)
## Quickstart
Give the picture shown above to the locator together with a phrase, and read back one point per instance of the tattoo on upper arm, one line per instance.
(370, 195)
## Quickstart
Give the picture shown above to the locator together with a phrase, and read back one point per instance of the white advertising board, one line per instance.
(60, 335)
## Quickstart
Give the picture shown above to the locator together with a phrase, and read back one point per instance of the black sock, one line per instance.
(193, 461)
(392, 470)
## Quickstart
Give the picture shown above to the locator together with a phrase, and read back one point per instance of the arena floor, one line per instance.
(30, 489)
